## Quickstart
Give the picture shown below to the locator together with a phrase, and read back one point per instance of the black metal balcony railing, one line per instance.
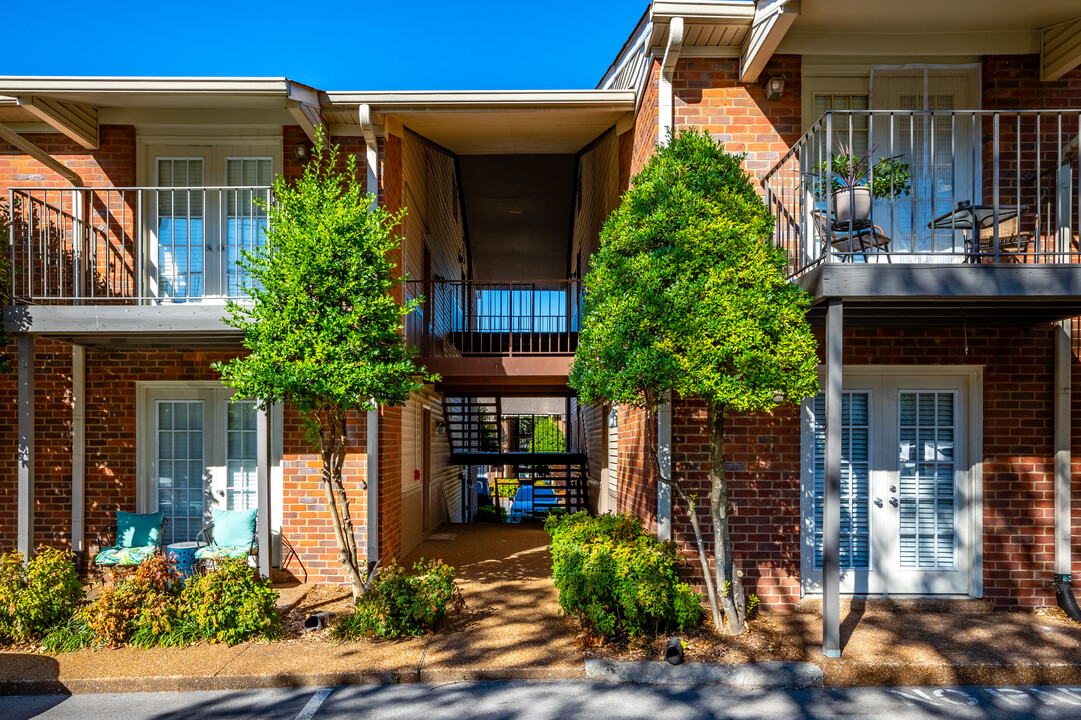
(983, 187)
(465, 317)
(132, 245)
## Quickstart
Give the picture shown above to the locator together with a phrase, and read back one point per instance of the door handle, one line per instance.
(878, 502)
(893, 501)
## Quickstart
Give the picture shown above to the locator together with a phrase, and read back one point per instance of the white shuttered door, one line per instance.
(906, 486)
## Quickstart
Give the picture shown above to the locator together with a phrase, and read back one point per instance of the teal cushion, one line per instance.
(136, 530)
(124, 556)
(217, 552)
(234, 528)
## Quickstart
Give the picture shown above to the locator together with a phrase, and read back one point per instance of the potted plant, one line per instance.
(855, 182)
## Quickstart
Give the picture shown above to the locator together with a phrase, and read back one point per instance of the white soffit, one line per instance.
(924, 27)
(706, 23)
(142, 92)
(490, 122)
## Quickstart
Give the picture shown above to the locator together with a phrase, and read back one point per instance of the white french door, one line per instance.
(201, 456)
(199, 235)
(909, 485)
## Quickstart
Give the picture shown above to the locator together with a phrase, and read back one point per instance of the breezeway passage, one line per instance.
(559, 699)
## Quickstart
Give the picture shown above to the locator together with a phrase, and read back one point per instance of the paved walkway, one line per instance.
(511, 629)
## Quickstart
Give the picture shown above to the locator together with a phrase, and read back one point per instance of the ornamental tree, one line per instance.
(688, 295)
(324, 330)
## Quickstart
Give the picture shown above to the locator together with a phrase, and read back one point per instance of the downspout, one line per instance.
(666, 99)
(1063, 519)
(372, 459)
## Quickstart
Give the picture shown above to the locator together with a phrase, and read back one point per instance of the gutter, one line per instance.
(666, 100)
(1063, 474)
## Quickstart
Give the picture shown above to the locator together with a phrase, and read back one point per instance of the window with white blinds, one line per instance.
(855, 478)
(180, 228)
(927, 492)
(241, 456)
(849, 129)
(245, 219)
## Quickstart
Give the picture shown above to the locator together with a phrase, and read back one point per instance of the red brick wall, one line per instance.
(763, 462)
(636, 493)
(645, 122)
(113, 164)
(709, 96)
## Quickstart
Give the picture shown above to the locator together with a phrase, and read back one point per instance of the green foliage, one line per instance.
(489, 433)
(37, 595)
(687, 293)
(889, 177)
(400, 604)
(323, 326)
(491, 514)
(149, 606)
(231, 604)
(616, 577)
(547, 437)
(752, 605)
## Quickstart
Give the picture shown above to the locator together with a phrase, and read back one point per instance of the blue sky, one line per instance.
(386, 45)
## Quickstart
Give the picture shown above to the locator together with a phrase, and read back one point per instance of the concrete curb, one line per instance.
(764, 676)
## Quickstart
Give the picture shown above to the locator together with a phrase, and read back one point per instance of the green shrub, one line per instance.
(491, 514)
(230, 605)
(400, 604)
(149, 606)
(37, 595)
(616, 577)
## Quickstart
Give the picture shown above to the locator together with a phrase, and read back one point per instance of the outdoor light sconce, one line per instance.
(441, 427)
(775, 87)
(302, 152)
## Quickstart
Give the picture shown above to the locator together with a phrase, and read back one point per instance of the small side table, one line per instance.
(184, 554)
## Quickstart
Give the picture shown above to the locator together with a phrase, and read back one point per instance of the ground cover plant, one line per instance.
(401, 604)
(618, 578)
(151, 606)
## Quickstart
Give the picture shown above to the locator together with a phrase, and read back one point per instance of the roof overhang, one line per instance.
(488, 122)
(70, 105)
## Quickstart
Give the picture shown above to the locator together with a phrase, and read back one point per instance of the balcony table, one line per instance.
(970, 219)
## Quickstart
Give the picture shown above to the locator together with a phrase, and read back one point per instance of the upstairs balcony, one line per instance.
(962, 208)
(520, 333)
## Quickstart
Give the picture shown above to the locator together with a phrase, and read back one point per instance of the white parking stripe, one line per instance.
(308, 712)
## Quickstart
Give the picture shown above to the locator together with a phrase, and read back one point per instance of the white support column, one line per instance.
(262, 478)
(664, 459)
(831, 516)
(78, 446)
(372, 460)
(1063, 475)
(24, 539)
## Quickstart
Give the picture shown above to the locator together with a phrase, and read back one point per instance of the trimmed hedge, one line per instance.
(618, 578)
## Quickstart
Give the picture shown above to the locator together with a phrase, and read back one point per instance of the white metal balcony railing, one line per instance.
(132, 245)
(983, 187)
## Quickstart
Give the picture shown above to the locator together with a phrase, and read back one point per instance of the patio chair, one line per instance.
(851, 238)
(1014, 235)
(232, 534)
(130, 540)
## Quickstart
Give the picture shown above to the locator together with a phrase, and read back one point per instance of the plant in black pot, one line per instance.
(856, 181)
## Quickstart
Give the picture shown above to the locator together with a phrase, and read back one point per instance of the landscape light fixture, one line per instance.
(775, 87)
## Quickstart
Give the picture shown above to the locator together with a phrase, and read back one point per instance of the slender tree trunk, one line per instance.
(729, 584)
(332, 423)
(692, 513)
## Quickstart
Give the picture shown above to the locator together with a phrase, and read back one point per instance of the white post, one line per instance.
(664, 459)
(831, 516)
(262, 476)
(78, 446)
(1063, 476)
(25, 525)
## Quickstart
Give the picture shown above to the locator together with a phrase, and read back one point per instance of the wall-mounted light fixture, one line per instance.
(775, 87)
(302, 152)
(441, 428)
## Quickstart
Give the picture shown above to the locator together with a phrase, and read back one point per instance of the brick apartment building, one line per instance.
(131, 198)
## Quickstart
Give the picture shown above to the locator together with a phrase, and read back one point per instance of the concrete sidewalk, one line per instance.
(511, 628)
